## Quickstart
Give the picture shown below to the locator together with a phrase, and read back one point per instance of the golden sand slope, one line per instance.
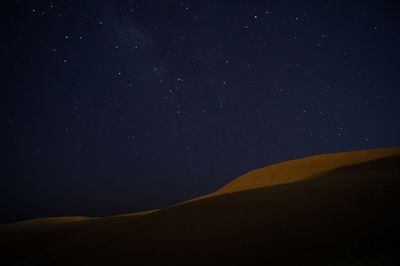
(346, 213)
(300, 169)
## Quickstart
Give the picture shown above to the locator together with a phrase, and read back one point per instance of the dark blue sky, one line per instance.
(117, 106)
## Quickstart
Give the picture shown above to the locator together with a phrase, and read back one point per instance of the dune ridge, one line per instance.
(276, 174)
(341, 209)
(300, 169)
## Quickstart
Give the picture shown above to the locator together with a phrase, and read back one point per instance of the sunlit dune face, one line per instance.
(300, 169)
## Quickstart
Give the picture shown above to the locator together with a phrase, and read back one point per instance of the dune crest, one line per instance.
(304, 168)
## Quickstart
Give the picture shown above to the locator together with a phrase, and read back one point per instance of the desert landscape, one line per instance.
(331, 209)
(164, 132)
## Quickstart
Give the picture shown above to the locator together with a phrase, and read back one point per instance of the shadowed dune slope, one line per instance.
(346, 214)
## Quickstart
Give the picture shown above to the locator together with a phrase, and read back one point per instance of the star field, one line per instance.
(125, 105)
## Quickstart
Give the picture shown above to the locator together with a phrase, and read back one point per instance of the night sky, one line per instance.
(116, 106)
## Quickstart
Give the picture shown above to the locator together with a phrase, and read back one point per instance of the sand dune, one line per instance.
(300, 169)
(335, 209)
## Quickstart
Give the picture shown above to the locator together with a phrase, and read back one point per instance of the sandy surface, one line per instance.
(338, 209)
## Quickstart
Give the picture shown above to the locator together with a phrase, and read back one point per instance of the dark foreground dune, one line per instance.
(338, 209)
